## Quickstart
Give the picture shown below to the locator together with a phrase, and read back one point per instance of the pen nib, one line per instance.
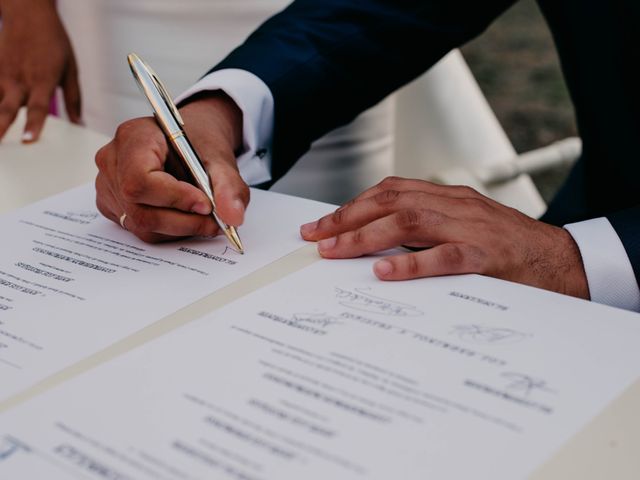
(233, 237)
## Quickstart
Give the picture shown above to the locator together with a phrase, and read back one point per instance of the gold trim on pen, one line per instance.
(176, 135)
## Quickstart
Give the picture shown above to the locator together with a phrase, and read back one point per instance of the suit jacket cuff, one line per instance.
(609, 272)
(255, 100)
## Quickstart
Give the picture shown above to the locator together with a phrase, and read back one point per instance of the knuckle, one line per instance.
(467, 191)
(327, 223)
(452, 255)
(413, 265)
(337, 217)
(132, 189)
(349, 204)
(386, 197)
(408, 219)
(102, 156)
(125, 128)
(323, 223)
(357, 237)
(389, 182)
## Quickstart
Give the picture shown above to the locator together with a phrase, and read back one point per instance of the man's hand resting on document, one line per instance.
(140, 176)
(465, 231)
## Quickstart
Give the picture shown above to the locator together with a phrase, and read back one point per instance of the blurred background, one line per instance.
(517, 67)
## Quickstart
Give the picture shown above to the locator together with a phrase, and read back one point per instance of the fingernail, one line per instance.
(327, 244)
(201, 208)
(308, 228)
(238, 205)
(27, 137)
(383, 268)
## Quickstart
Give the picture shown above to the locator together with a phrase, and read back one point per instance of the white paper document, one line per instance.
(72, 282)
(331, 374)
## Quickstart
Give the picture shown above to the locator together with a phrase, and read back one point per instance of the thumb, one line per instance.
(214, 122)
(230, 192)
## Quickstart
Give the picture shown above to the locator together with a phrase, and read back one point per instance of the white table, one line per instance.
(62, 159)
(609, 447)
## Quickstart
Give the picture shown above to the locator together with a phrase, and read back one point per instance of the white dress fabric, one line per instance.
(181, 40)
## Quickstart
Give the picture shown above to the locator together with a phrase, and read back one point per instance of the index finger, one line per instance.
(37, 111)
(369, 209)
(141, 156)
(409, 184)
(230, 191)
(12, 97)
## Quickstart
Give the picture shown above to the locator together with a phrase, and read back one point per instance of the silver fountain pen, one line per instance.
(171, 122)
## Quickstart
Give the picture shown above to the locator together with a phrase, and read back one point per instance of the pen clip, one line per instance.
(166, 97)
(135, 62)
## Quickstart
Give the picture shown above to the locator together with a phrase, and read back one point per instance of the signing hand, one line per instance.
(139, 175)
(465, 231)
(35, 57)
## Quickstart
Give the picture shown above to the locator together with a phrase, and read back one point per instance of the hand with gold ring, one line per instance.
(138, 173)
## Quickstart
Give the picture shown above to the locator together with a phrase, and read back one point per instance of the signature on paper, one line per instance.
(8, 447)
(488, 335)
(228, 249)
(362, 299)
(317, 319)
(86, 214)
(525, 384)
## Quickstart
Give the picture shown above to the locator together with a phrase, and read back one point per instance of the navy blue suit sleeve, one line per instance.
(325, 61)
(626, 223)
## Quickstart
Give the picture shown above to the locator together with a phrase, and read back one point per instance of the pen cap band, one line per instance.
(177, 134)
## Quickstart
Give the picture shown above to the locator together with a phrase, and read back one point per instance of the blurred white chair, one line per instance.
(447, 132)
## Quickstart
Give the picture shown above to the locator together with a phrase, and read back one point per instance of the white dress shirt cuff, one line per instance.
(609, 272)
(255, 100)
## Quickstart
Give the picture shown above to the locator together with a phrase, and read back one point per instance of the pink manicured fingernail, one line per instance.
(27, 136)
(383, 268)
(327, 244)
(308, 228)
(201, 208)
